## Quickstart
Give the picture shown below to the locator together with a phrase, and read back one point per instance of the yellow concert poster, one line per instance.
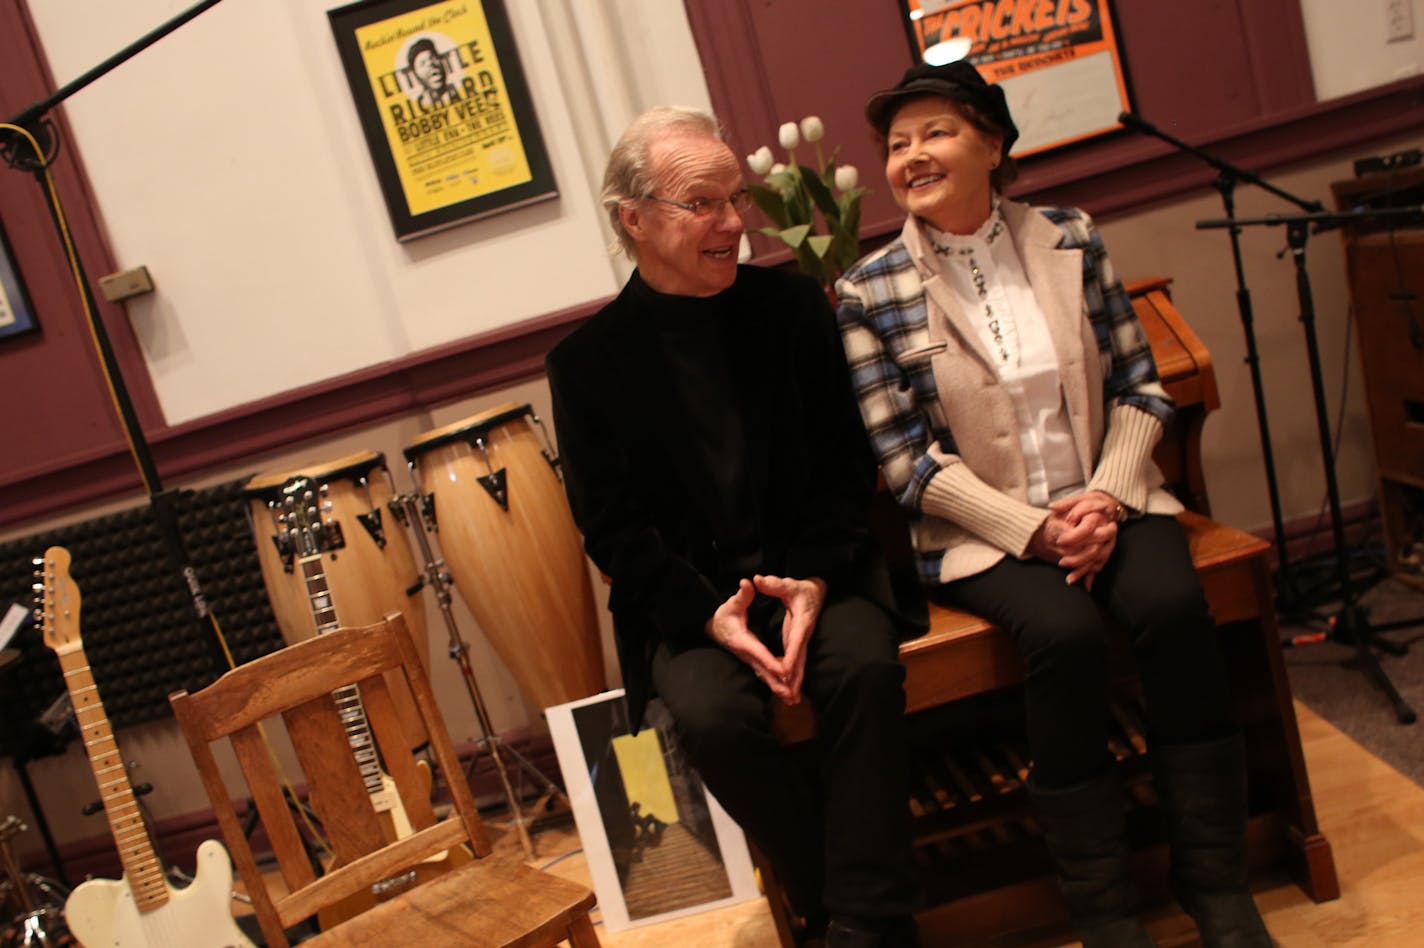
(444, 108)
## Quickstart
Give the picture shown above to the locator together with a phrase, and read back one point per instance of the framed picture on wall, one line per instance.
(1058, 62)
(444, 109)
(658, 845)
(17, 314)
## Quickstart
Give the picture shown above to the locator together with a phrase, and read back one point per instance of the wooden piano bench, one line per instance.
(978, 850)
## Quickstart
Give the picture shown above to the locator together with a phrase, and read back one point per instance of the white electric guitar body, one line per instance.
(141, 910)
(103, 912)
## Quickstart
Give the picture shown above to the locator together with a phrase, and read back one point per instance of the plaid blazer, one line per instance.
(929, 393)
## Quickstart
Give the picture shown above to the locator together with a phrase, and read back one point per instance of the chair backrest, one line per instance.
(323, 692)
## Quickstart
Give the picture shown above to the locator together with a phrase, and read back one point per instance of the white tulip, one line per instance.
(788, 136)
(760, 161)
(847, 177)
(777, 168)
(744, 250)
(812, 129)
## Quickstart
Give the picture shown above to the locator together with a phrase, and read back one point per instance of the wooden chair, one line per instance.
(390, 852)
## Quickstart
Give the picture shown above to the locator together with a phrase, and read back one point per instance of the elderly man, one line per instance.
(716, 464)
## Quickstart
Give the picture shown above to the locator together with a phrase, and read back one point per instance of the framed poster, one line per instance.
(444, 108)
(1058, 61)
(658, 845)
(17, 315)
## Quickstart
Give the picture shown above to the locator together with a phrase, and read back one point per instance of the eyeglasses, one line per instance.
(708, 208)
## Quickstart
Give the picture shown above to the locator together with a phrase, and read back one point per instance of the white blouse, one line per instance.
(987, 279)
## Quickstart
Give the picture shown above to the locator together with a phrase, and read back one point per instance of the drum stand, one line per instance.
(406, 507)
(40, 922)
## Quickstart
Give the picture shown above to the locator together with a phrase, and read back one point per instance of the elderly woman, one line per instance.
(1013, 403)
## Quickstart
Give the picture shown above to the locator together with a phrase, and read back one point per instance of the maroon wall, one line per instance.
(1230, 76)
(57, 410)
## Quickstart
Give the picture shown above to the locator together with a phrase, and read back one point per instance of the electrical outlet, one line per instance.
(1398, 20)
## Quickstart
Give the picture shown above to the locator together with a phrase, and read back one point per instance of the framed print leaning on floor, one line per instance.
(444, 108)
(658, 845)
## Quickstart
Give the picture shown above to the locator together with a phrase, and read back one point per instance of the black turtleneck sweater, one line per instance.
(693, 338)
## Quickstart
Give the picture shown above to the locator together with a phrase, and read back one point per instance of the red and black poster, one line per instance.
(1057, 60)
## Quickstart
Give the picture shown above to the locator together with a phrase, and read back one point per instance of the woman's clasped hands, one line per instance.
(1079, 534)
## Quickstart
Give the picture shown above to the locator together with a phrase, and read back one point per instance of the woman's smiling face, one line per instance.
(937, 164)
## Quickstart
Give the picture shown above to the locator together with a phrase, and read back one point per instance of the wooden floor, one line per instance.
(1373, 816)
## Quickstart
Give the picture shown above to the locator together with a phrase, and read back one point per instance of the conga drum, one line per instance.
(512, 548)
(333, 553)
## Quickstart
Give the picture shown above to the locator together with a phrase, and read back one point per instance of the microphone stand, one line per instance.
(21, 155)
(1350, 625)
(1289, 599)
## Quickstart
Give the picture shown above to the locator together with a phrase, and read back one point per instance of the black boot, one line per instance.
(897, 932)
(1084, 828)
(1203, 791)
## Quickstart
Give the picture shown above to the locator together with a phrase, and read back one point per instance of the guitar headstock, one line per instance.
(308, 533)
(59, 606)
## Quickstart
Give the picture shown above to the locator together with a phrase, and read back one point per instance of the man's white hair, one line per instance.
(628, 176)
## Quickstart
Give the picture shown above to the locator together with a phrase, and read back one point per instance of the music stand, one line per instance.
(26, 743)
(1349, 625)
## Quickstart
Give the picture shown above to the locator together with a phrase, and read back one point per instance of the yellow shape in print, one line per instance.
(645, 777)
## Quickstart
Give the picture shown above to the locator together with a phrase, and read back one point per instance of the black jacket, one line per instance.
(645, 507)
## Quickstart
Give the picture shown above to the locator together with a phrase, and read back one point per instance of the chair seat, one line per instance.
(488, 903)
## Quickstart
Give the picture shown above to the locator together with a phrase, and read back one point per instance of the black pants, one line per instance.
(843, 845)
(1150, 589)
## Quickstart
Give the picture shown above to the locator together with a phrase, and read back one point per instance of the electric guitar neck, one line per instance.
(61, 630)
(310, 536)
(143, 909)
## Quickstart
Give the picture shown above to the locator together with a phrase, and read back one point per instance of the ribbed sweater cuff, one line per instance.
(958, 495)
(1131, 437)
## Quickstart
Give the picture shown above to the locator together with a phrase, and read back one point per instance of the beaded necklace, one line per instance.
(976, 275)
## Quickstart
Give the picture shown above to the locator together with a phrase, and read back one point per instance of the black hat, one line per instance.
(958, 81)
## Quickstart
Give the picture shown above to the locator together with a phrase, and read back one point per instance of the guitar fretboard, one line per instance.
(141, 868)
(348, 699)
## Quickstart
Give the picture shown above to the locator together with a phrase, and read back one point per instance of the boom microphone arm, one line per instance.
(1289, 599)
(18, 150)
(1139, 124)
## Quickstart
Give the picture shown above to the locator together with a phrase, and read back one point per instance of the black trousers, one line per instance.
(841, 843)
(1151, 590)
